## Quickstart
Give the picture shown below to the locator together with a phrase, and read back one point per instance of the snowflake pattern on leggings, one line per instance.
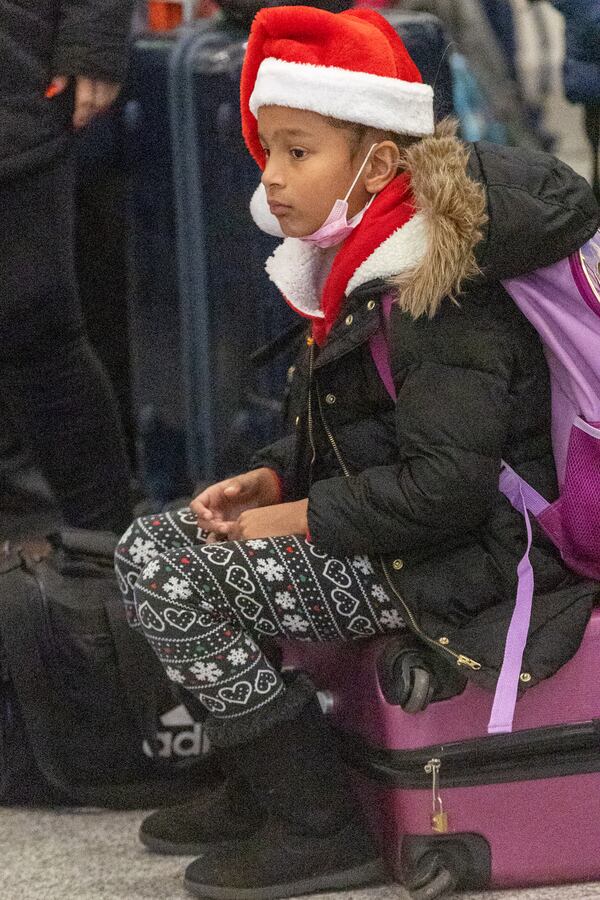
(207, 608)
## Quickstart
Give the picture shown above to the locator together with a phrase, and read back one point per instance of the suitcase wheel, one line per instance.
(405, 679)
(432, 877)
(420, 690)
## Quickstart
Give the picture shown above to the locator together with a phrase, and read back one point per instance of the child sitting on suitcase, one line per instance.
(373, 517)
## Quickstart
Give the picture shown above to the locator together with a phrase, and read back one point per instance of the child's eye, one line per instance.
(298, 153)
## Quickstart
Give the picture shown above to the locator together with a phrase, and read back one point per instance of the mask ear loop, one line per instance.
(358, 174)
(369, 203)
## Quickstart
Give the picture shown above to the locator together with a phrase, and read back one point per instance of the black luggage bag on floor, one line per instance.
(87, 715)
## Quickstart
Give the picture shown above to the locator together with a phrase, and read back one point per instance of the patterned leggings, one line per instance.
(204, 608)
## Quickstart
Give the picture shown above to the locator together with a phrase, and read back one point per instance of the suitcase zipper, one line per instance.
(459, 658)
(548, 752)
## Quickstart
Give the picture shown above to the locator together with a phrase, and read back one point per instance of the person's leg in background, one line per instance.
(501, 16)
(101, 242)
(205, 610)
(592, 130)
(57, 394)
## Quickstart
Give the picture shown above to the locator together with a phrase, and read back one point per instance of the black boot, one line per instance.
(228, 815)
(314, 838)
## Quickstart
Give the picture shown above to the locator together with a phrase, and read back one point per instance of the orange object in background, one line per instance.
(163, 15)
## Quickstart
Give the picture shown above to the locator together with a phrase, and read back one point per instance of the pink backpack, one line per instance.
(563, 303)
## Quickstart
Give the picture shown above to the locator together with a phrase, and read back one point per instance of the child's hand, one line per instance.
(219, 506)
(270, 521)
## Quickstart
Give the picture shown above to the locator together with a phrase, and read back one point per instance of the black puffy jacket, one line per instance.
(415, 486)
(38, 40)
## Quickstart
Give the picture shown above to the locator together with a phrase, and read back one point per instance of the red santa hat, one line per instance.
(351, 66)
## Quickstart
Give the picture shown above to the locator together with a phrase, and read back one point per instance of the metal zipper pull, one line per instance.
(470, 663)
(439, 818)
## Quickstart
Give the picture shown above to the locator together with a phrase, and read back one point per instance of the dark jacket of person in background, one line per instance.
(61, 63)
(582, 56)
(38, 40)
(582, 69)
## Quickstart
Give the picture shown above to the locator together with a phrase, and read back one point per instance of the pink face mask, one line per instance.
(334, 229)
(336, 226)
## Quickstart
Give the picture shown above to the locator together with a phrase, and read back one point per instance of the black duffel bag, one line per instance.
(87, 715)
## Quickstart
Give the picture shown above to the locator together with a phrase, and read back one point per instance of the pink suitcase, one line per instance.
(453, 806)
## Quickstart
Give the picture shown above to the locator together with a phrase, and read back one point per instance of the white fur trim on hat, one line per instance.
(404, 107)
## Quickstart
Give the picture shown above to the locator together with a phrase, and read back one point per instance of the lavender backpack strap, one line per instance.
(505, 698)
(525, 500)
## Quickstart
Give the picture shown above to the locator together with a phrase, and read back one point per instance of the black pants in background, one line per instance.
(592, 130)
(56, 393)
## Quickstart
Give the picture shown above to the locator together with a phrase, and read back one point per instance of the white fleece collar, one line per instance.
(299, 269)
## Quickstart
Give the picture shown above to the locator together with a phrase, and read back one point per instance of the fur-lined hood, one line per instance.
(481, 211)
(453, 211)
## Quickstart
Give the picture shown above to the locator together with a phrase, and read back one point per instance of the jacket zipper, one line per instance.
(331, 438)
(459, 658)
(311, 358)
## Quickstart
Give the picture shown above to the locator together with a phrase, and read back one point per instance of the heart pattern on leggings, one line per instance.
(187, 517)
(336, 571)
(132, 578)
(361, 625)
(238, 693)
(248, 607)
(212, 704)
(122, 581)
(345, 603)
(318, 553)
(149, 618)
(266, 627)
(264, 681)
(182, 619)
(217, 554)
(237, 577)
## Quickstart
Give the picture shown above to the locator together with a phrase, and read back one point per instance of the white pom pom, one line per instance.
(262, 215)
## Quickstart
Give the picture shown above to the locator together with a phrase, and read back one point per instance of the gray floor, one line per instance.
(95, 855)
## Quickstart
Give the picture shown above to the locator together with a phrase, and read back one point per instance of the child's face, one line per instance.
(310, 165)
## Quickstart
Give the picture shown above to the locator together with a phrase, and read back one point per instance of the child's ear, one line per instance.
(382, 167)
